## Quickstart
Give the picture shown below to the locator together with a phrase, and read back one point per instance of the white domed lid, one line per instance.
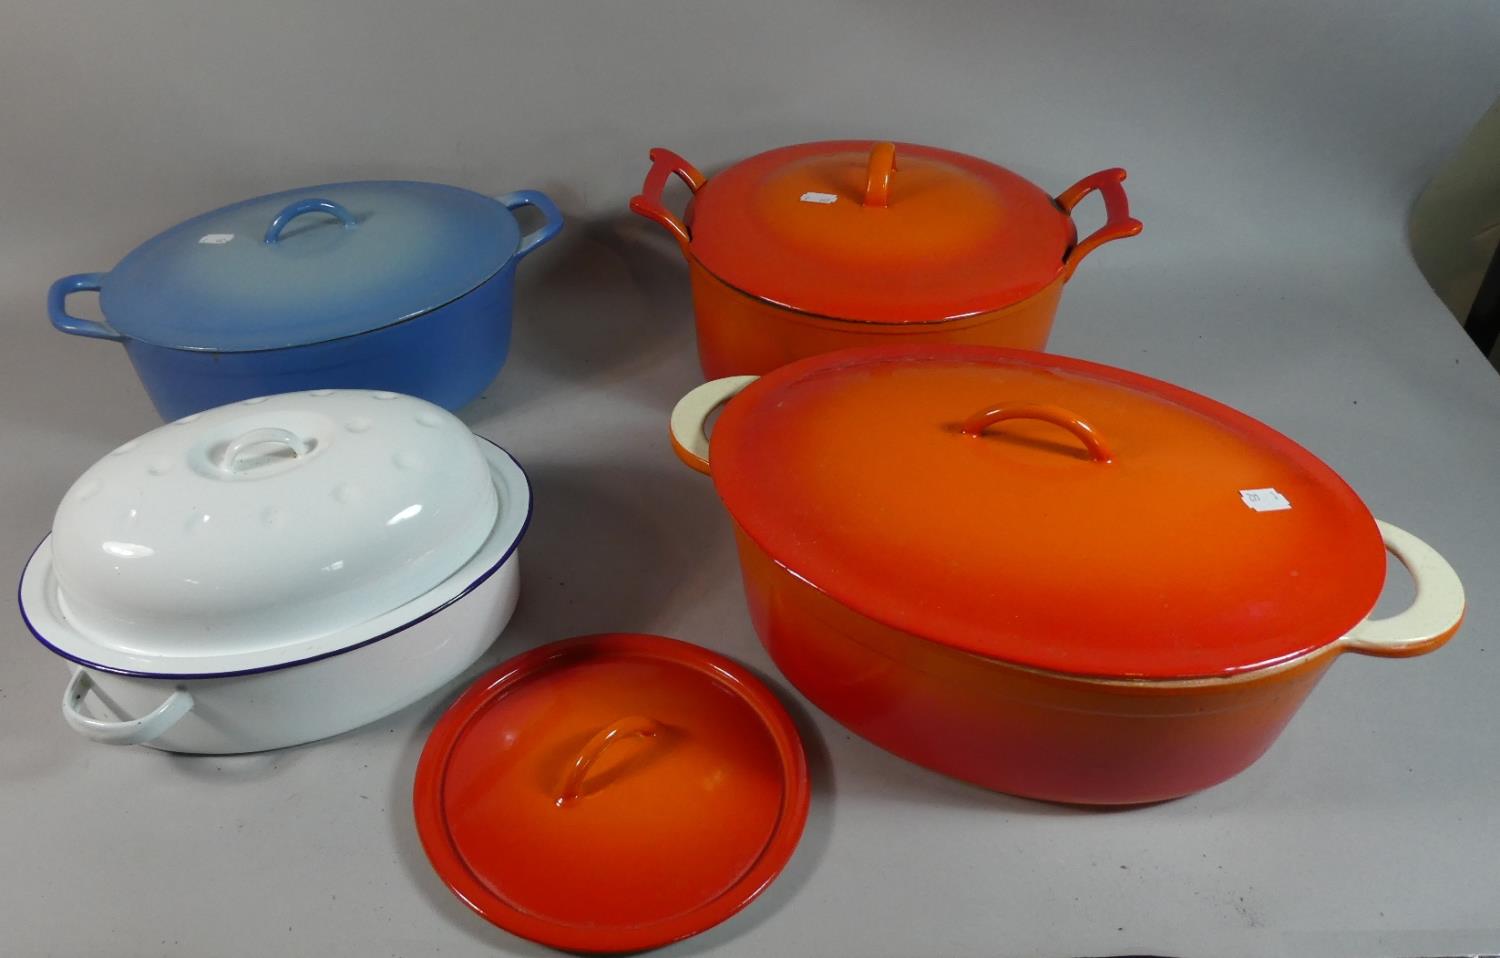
(268, 520)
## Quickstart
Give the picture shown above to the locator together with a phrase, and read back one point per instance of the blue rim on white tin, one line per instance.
(37, 598)
(307, 266)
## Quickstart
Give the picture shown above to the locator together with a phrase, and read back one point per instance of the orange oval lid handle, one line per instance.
(632, 726)
(983, 419)
(878, 174)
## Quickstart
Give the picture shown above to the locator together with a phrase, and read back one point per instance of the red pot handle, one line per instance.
(1118, 223)
(648, 202)
(632, 726)
(1058, 416)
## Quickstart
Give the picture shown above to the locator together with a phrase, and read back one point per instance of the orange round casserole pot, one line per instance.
(824, 246)
(1045, 576)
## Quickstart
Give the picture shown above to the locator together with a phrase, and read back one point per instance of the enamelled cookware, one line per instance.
(376, 285)
(1045, 576)
(824, 246)
(276, 571)
(612, 793)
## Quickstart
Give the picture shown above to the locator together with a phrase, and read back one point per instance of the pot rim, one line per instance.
(741, 219)
(211, 351)
(457, 239)
(30, 572)
(1123, 682)
(1447, 604)
(1060, 279)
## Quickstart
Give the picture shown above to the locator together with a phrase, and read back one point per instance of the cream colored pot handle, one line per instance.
(148, 727)
(690, 418)
(1433, 616)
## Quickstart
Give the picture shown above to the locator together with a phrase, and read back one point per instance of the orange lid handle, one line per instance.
(1058, 416)
(1118, 223)
(632, 726)
(878, 174)
(648, 202)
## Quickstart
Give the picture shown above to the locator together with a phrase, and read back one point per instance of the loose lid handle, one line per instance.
(312, 205)
(632, 726)
(648, 202)
(1097, 448)
(1433, 616)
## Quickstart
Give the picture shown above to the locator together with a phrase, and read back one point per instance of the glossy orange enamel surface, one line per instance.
(739, 334)
(824, 246)
(612, 793)
(1102, 532)
(878, 232)
(1040, 735)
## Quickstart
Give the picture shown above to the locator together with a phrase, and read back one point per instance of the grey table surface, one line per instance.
(1274, 150)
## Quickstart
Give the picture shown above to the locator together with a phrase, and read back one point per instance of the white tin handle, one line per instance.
(1433, 616)
(139, 731)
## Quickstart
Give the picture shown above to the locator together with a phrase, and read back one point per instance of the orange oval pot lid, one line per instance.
(1047, 511)
(612, 793)
(878, 232)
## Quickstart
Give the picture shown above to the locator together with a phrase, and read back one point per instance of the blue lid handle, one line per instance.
(545, 206)
(73, 325)
(273, 232)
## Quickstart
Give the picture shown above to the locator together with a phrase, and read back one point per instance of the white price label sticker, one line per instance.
(216, 239)
(1265, 500)
(822, 198)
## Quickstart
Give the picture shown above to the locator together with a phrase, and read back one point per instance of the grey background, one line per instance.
(1274, 150)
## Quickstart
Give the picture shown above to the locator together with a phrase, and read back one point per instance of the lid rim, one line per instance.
(193, 547)
(146, 249)
(209, 350)
(458, 877)
(746, 238)
(1142, 680)
(760, 521)
(880, 323)
(275, 666)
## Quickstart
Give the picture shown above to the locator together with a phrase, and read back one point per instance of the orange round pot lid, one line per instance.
(612, 793)
(1047, 511)
(878, 232)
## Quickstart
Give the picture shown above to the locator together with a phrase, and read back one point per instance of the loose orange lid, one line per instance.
(612, 793)
(879, 232)
(1047, 511)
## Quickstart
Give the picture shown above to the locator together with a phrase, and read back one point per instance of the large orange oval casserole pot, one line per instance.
(823, 246)
(1045, 576)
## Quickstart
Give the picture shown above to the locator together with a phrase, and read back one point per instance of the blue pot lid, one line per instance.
(311, 265)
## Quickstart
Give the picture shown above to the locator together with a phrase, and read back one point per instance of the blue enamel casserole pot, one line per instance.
(391, 285)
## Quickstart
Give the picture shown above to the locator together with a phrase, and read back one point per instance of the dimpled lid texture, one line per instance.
(270, 521)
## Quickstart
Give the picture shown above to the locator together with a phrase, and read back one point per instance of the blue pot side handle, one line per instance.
(313, 205)
(554, 219)
(73, 325)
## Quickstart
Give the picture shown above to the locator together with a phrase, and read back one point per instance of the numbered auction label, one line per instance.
(1265, 500)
